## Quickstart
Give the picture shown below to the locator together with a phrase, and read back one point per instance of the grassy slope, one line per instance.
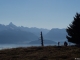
(40, 53)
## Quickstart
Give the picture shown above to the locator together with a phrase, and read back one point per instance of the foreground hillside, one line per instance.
(41, 53)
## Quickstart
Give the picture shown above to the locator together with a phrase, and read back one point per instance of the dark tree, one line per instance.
(42, 39)
(74, 30)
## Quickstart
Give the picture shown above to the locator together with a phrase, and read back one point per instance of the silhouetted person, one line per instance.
(65, 43)
(58, 43)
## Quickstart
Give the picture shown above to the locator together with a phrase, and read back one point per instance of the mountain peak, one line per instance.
(11, 23)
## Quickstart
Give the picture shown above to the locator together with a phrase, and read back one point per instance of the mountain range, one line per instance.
(18, 34)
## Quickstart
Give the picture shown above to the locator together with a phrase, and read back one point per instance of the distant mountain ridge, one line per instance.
(14, 34)
(56, 34)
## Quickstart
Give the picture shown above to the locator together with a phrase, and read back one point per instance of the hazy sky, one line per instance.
(39, 13)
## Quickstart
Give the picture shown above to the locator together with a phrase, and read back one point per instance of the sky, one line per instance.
(39, 13)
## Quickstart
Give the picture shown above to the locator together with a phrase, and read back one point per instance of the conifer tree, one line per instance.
(74, 30)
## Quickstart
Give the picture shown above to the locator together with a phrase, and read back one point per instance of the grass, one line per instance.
(40, 53)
